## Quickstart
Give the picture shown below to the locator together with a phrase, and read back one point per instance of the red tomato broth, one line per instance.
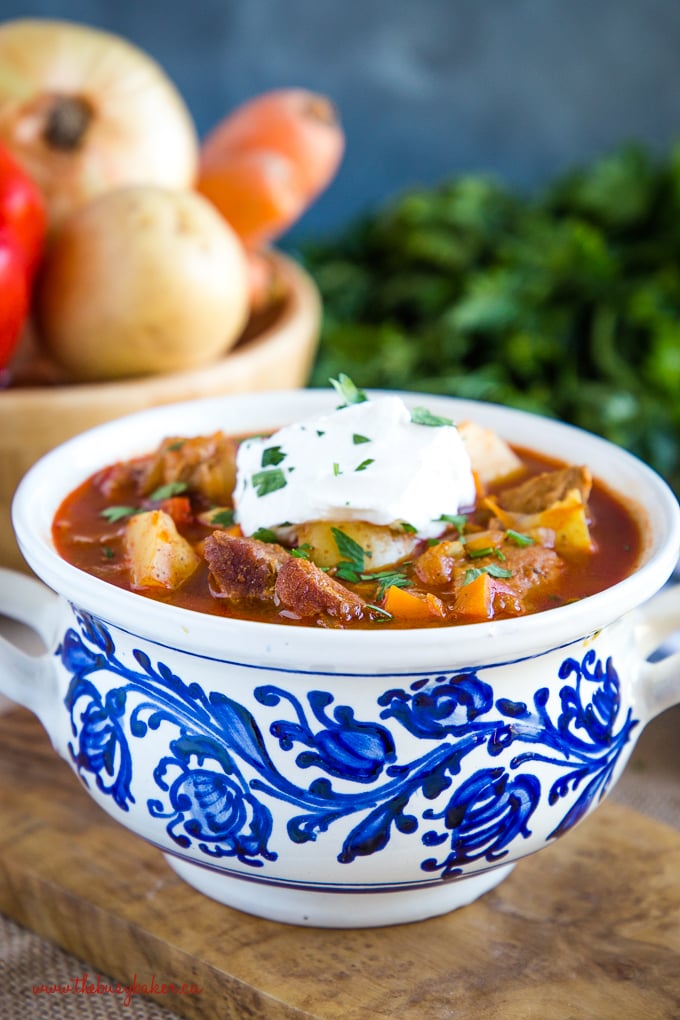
(83, 537)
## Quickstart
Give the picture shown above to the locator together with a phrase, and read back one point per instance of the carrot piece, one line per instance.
(267, 160)
(475, 600)
(407, 605)
(179, 508)
(257, 194)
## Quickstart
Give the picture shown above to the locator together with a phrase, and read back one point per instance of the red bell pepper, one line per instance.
(23, 225)
(14, 295)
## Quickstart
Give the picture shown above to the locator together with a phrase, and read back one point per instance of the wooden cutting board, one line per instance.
(588, 929)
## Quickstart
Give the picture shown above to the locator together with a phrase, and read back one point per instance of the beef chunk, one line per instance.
(243, 567)
(205, 464)
(540, 492)
(306, 590)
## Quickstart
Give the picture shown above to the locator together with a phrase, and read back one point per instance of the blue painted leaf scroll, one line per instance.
(218, 782)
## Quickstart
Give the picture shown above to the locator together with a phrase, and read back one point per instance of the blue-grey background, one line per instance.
(427, 89)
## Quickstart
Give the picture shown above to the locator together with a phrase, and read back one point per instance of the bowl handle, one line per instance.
(29, 680)
(656, 621)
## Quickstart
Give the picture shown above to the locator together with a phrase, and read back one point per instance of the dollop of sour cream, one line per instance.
(372, 461)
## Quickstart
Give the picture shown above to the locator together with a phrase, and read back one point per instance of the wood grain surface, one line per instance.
(588, 929)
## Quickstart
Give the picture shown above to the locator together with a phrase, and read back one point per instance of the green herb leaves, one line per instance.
(491, 568)
(350, 393)
(565, 302)
(354, 556)
(168, 491)
(268, 481)
(272, 456)
(118, 513)
(421, 416)
(223, 518)
(352, 567)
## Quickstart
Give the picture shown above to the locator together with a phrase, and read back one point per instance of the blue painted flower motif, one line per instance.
(482, 818)
(217, 783)
(344, 747)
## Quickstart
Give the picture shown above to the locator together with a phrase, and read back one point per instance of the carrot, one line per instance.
(475, 600)
(267, 161)
(406, 605)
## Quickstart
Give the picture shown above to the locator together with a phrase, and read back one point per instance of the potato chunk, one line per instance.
(492, 459)
(159, 556)
(382, 545)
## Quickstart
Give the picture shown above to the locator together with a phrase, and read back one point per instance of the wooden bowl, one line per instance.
(275, 352)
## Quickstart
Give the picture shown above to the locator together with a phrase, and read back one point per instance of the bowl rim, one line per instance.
(300, 648)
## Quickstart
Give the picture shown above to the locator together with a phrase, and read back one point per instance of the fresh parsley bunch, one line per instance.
(566, 303)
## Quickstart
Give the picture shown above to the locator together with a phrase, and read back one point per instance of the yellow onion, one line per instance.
(84, 111)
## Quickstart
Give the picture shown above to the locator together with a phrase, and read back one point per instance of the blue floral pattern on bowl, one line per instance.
(223, 771)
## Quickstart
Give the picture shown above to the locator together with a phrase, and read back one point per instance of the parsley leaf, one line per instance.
(223, 518)
(272, 455)
(458, 520)
(168, 491)
(492, 569)
(357, 438)
(388, 579)
(268, 481)
(350, 393)
(364, 464)
(354, 554)
(421, 416)
(518, 538)
(265, 535)
(117, 513)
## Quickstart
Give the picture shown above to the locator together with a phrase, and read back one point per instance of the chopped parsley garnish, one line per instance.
(336, 469)
(357, 438)
(223, 518)
(117, 513)
(383, 615)
(458, 520)
(350, 393)
(421, 416)
(107, 552)
(268, 481)
(302, 551)
(518, 538)
(408, 528)
(388, 579)
(353, 567)
(272, 455)
(168, 491)
(492, 569)
(265, 535)
(364, 464)
(488, 550)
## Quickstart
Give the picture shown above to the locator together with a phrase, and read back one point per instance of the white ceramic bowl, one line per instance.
(338, 778)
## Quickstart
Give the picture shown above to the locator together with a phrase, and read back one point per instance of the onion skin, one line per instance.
(140, 281)
(85, 111)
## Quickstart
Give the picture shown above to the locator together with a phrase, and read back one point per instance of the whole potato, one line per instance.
(142, 280)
